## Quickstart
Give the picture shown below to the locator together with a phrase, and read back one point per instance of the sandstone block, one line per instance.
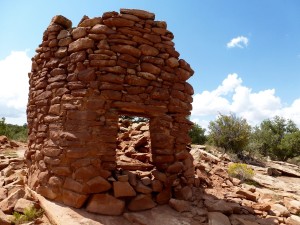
(131, 178)
(86, 173)
(22, 204)
(63, 21)
(123, 189)
(158, 30)
(3, 193)
(7, 205)
(152, 37)
(73, 185)
(163, 197)
(180, 205)
(63, 34)
(98, 184)
(102, 29)
(156, 185)
(182, 74)
(118, 22)
(141, 202)
(185, 193)
(292, 205)
(81, 44)
(139, 13)
(79, 32)
(78, 56)
(4, 219)
(150, 68)
(123, 178)
(148, 50)
(159, 176)
(217, 218)
(87, 22)
(146, 181)
(136, 81)
(73, 199)
(140, 187)
(293, 220)
(248, 195)
(279, 210)
(218, 206)
(62, 171)
(172, 62)
(87, 75)
(64, 41)
(105, 204)
(126, 49)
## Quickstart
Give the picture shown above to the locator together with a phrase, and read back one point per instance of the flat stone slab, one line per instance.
(59, 214)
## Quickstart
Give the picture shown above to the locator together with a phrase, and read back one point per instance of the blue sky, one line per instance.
(246, 54)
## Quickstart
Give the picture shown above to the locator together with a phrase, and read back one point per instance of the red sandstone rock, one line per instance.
(180, 205)
(126, 49)
(102, 29)
(90, 22)
(217, 218)
(150, 68)
(163, 197)
(293, 220)
(118, 22)
(79, 32)
(292, 205)
(63, 21)
(172, 62)
(105, 204)
(22, 204)
(8, 204)
(148, 50)
(123, 189)
(73, 199)
(4, 219)
(141, 202)
(81, 44)
(156, 185)
(139, 13)
(46, 192)
(248, 195)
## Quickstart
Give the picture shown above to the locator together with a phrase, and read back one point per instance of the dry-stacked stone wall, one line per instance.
(82, 80)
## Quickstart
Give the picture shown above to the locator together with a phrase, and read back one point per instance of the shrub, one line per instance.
(230, 132)
(197, 134)
(30, 214)
(278, 138)
(240, 171)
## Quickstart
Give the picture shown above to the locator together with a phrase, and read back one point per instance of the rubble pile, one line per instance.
(14, 198)
(6, 143)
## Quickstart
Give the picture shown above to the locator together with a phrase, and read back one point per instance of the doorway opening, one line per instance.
(134, 144)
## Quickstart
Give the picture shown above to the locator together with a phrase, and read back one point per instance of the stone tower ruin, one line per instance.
(82, 79)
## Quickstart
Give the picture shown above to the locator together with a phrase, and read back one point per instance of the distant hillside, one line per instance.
(13, 132)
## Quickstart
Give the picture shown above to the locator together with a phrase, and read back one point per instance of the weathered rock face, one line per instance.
(82, 80)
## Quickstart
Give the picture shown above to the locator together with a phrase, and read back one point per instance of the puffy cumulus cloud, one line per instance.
(292, 112)
(239, 42)
(233, 96)
(14, 86)
(209, 103)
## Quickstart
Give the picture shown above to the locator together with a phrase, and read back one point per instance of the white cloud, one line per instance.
(14, 86)
(239, 42)
(232, 96)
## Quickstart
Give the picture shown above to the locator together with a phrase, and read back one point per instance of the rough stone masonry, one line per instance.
(82, 79)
